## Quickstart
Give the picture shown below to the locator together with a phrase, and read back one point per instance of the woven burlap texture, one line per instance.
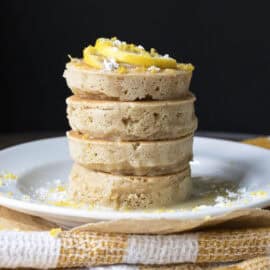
(86, 248)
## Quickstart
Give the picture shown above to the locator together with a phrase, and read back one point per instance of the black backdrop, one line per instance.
(227, 41)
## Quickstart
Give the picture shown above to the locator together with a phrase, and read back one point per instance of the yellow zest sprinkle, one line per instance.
(185, 67)
(160, 210)
(140, 69)
(153, 52)
(1, 183)
(85, 137)
(10, 176)
(171, 211)
(64, 204)
(57, 189)
(60, 188)
(121, 70)
(259, 193)
(9, 194)
(207, 217)
(55, 232)
(91, 206)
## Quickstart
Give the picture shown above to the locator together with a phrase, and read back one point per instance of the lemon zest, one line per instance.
(10, 176)
(60, 188)
(91, 206)
(121, 70)
(85, 137)
(259, 193)
(9, 194)
(160, 210)
(55, 232)
(185, 67)
(171, 211)
(140, 69)
(64, 203)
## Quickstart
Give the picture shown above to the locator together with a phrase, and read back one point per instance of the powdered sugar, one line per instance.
(56, 192)
(234, 198)
(117, 43)
(153, 69)
(110, 64)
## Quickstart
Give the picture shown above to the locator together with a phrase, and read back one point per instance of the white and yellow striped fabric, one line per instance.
(81, 249)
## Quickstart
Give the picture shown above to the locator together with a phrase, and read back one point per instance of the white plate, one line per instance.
(39, 163)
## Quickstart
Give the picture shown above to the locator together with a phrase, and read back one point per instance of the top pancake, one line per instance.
(166, 84)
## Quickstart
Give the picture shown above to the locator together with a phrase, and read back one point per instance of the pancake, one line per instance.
(167, 84)
(145, 120)
(136, 158)
(118, 191)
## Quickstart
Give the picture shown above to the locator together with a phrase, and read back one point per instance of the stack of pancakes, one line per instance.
(131, 137)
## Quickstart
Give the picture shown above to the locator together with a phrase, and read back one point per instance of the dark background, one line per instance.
(227, 41)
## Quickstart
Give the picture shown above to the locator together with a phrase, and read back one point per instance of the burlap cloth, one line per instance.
(236, 241)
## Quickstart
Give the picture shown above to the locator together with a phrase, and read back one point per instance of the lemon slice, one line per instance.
(91, 57)
(131, 54)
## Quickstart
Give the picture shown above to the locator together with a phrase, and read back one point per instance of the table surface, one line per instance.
(9, 139)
